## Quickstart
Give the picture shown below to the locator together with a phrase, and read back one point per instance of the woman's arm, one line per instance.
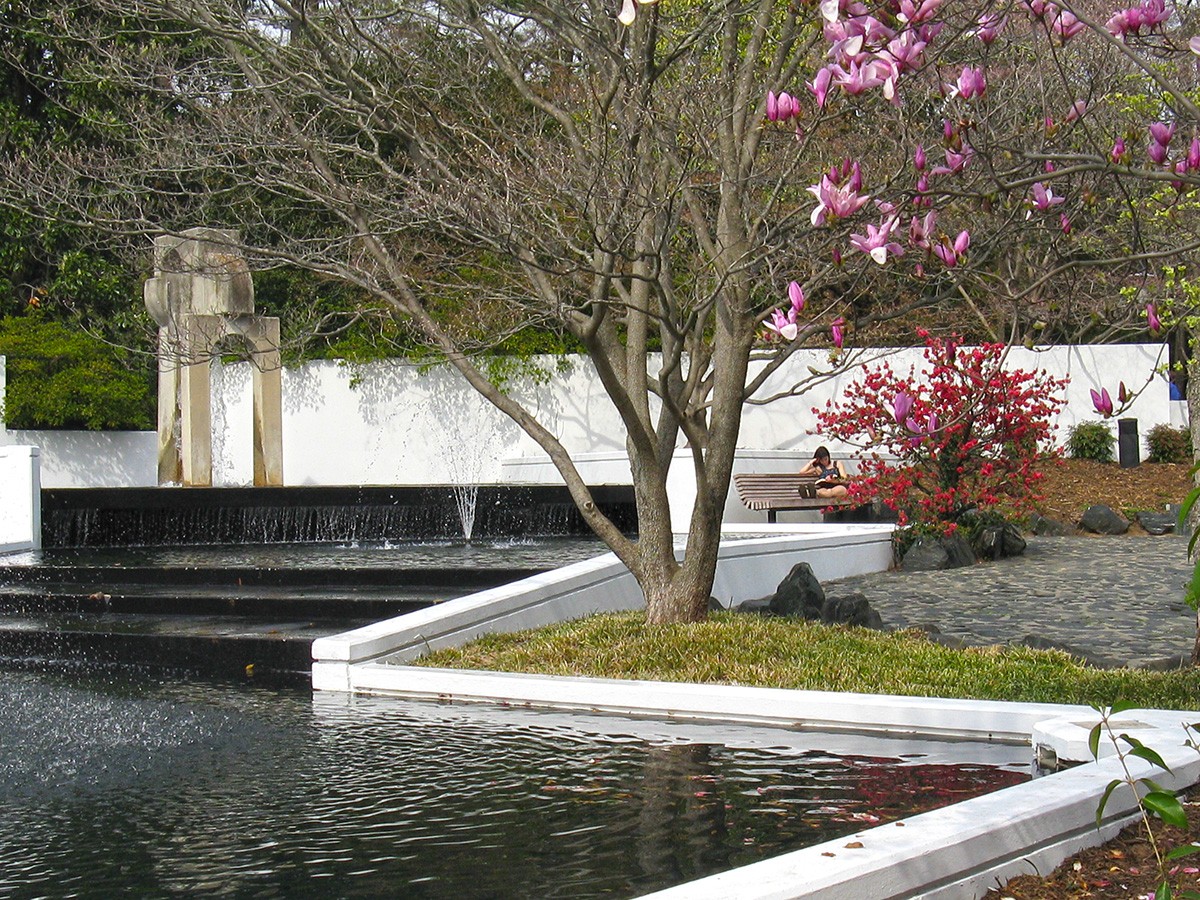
(841, 471)
(810, 468)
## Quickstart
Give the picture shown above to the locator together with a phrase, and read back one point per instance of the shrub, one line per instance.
(964, 434)
(1168, 445)
(1091, 440)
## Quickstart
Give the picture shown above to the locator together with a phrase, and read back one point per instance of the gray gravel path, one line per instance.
(1117, 600)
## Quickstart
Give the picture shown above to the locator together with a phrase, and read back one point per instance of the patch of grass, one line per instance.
(729, 648)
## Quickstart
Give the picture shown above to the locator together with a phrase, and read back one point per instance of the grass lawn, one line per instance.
(732, 648)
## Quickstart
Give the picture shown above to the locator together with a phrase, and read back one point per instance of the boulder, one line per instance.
(1156, 522)
(799, 594)
(928, 554)
(1040, 643)
(1039, 524)
(1101, 519)
(998, 542)
(852, 609)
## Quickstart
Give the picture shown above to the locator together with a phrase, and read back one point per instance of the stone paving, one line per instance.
(1115, 600)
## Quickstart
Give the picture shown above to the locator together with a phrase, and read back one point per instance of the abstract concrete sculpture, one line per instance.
(201, 295)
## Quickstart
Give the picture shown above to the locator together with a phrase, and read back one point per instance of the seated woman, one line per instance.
(831, 476)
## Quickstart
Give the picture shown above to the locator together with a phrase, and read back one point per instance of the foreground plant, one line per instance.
(1152, 799)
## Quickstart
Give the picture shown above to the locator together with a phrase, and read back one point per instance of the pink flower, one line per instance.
(820, 85)
(1043, 198)
(907, 50)
(1152, 319)
(916, 13)
(919, 158)
(1193, 156)
(1076, 112)
(955, 161)
(878, 241)
(1161, 132)
(950, 254)
(902, 405)
(1118, 150)
(1103, 402)
(971, 83)
(783, 325)
(835, 201)
(989, 27)
(1066, 25)
(796, 295)
(921, 231)
(1064, 223)
(837, 331)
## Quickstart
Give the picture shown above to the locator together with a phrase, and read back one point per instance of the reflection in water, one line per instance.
(157, 788)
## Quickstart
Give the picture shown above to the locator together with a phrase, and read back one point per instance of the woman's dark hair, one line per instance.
(822, 452)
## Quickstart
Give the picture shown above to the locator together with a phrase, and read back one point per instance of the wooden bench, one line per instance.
(780, 490)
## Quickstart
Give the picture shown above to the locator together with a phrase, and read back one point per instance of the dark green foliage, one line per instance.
(62, 377)
(1168, 445)
(1091, 440)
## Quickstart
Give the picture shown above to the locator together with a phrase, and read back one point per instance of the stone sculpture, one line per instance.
(201, 295)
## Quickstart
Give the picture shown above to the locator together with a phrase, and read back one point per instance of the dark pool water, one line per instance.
(485, 553)
(127, 785)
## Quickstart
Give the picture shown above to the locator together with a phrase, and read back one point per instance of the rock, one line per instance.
(715, 605)
(1166, 664)
(1156, 522)
(799, 594)
(932, 554)
(852, 609)
(1039, 524)
(1101, 519)
(998, 542)
(760, 606)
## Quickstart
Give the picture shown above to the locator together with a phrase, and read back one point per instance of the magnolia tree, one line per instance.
(684, 189)
(962, 434)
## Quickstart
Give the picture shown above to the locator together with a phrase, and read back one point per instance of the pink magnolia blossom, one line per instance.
(920, 231)
(834, 200)
(878, 243)
(989, 27)
(820, 85)
(951, 254)
(1152, 319)
(907, 50)
(955, 161)
(837, 331)
(1118, 150)
(1064, 222)
(1194, 45)
(1162, 132)
(902, 406)
(1043, 198)
(1077, 111)
(796, 295)
(1193, 155)
(1066, 25)
(971, 83)
(783, 324)
(916, 13)
(1102, 402)
(919, 158)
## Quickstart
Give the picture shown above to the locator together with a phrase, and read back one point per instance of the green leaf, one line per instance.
(1112, 786)
(1183, 850)
(1167, 807)
(1094, 740)
(1122, 706)
(1163, 892)
(1150, 756)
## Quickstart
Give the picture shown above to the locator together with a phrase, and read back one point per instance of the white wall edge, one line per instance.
(748, 568)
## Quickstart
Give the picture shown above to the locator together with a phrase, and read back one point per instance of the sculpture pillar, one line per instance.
(200, 295)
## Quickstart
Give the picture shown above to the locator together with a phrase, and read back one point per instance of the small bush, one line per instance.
(1168, 445)
(1091, 440)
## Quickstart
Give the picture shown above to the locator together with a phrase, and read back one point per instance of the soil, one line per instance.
(1123, 868)
(1070, 486)
(1126, 866)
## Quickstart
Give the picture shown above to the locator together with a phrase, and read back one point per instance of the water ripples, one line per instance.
(158, 789)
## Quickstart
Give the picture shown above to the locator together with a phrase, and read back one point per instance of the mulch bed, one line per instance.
(1125, 867)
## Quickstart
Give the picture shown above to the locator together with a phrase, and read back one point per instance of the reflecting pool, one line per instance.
(128, 784)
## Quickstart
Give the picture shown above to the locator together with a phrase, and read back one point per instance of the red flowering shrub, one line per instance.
(963, 434)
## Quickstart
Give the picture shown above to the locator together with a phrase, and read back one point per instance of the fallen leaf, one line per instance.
(827, 853)
(854, 845)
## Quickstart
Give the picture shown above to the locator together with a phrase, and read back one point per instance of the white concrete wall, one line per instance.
(20, 499)
(394, 423)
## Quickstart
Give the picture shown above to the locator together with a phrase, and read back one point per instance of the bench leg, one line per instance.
(771, 514)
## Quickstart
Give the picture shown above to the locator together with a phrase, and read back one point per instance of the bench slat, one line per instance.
(773, 491)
